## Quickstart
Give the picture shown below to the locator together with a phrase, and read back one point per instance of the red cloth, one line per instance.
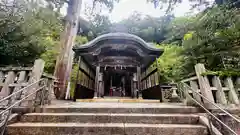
(111, 92)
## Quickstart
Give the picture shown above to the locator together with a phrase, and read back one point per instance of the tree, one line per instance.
(169, 5)
(65, 57)
(170, 63)
(177, 28)
(25, 29)
(149, 28)
(215, 40)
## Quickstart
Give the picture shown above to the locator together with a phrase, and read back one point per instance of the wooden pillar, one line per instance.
(76, 82)
(146, 81)
(132, 88)
(134, 85)
(88, 78)
(220, 96)
(100, 85)
(161, 97)
(139, 81)
(154, 81)
(204, 85)
(96, 82)
(232, 93)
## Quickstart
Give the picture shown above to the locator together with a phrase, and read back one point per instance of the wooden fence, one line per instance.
(13, 79)
(224, 91)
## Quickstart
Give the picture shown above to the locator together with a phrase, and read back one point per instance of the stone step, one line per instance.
(111, 118)
(104, 129)
(159, 110)
(118, 100)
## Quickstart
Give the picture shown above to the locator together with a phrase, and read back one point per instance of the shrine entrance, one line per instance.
(113, 65)
(117, 82)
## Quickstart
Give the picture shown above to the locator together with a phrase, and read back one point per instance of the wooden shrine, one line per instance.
(116, 64)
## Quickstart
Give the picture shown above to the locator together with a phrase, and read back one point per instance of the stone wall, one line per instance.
(228, 121)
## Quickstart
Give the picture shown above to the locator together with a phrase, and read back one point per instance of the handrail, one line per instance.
(202, 106)
(229, 114)
(9, 108)
(20, 90)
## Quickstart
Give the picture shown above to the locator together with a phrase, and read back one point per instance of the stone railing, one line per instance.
(224, 91)
(13, 79)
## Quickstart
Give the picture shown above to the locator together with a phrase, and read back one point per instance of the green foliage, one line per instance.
(149, 28)
(177, 29)
(25, 30)
(170, 63)
(211, 37)
(215, 40)
(223, 73)
(81, 40)
(73, 79)
(169, 5)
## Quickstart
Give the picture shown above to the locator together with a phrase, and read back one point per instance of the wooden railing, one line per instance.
(221, 90)
(13, 79)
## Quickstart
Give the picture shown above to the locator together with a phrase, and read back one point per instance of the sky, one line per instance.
(125, 8)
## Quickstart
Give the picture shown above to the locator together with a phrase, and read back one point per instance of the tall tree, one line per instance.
(25, 29)
(65, 58)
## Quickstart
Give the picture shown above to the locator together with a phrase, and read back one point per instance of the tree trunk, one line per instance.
(64, 60)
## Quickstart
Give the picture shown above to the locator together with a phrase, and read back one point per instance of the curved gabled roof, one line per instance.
(107, 45)
(121, 36)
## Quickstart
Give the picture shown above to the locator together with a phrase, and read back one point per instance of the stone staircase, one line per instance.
(111, 119)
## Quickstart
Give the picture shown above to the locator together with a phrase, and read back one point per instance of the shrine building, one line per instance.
(117, 65)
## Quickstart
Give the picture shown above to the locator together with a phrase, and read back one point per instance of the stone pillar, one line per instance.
(96, 82)
(220, 96)
(6, 90)
(195, 88)
(21, 79)
(36, 75)
(174, 97)
(232, 92)
(204, 85)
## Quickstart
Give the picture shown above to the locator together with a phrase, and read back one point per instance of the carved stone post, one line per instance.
(204, 85)
(6, 90)
(232, 93)
(1, 76)
(36, 75)
(221, 98)
(174, 97)
(21, 79)
(194, 86)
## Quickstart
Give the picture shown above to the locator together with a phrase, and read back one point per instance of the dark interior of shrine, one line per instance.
(114, 84)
